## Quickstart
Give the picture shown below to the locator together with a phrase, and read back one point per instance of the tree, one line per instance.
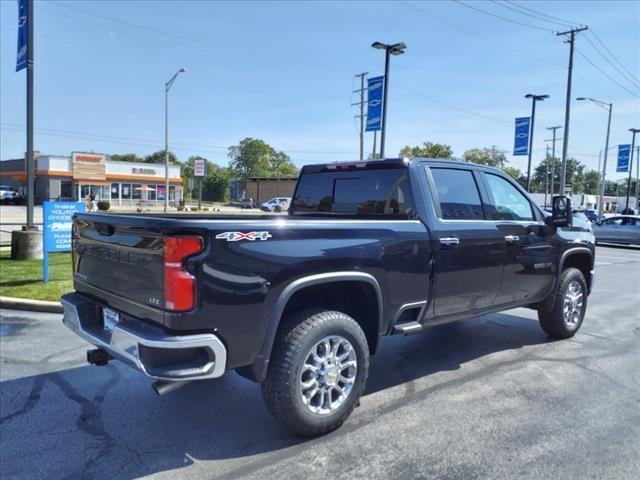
(216, 185)
(428, 150)
(126, 157)
(515, 173)
(253, 157)
(576, 175)
(158, 157)
(486, 156)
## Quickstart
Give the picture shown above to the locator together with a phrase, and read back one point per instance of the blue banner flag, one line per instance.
(374, 103)
(624, 152)
(58, 220)
(21, 59)
(521, 144)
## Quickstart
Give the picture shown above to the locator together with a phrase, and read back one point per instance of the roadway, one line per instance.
(490, 397)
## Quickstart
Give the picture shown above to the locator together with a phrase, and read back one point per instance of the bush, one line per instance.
(277, 208)
(104, 205)
(206, 209)
(194, 209)
(181, 207)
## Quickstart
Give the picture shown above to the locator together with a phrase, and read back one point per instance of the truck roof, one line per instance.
(385, 163)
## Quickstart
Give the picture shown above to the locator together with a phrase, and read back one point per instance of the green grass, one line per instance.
(23, 279)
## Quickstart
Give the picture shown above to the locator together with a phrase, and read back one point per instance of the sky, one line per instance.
(285, 71)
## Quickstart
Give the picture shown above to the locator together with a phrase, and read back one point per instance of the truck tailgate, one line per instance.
(125, 260)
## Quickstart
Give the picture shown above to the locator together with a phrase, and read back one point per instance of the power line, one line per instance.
(605, 73)
(630, 78)
(450, 106)
(542, 14)
(529, 25)
(146, 143)
(516, 8)
(612, 55)
(501, 45)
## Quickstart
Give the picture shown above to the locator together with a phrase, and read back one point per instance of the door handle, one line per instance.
(449, 241)
(511, 238)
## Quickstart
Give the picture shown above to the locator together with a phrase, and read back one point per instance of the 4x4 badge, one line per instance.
(237, 236)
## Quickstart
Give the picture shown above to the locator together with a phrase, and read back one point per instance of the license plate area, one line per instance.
(110, 318)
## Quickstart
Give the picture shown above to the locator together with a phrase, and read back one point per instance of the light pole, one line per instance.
(167, 86)
(553, 155)
(607, 106)
(534, 99)
(394, 49)
(633, 146)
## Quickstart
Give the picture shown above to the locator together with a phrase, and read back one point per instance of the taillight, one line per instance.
(179, 285)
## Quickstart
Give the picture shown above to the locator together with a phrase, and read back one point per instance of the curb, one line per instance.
(28, 304)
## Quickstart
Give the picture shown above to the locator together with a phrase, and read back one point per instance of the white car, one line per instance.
(7, 194)
(271, 205)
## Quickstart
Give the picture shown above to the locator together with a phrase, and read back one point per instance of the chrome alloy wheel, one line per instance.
(328, 374)
(572, 305)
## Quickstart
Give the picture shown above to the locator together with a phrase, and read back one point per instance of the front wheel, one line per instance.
(317, 372)
(566, 315)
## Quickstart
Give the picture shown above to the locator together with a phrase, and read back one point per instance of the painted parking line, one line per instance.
(617, 258)
(598, 263)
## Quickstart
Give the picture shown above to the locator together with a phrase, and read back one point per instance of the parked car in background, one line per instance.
(8, 194)
(623, 229)
(247, 203)
(271, 205)
(591, 214)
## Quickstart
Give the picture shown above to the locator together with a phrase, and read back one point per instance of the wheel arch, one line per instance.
(296, 293)
(580, 258)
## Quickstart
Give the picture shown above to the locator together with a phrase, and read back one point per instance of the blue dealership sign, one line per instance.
(521, 144)
(624, 151)
(57, 220)
(374, 103)
(21, 58)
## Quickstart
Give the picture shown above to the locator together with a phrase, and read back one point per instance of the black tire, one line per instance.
(552, 318)
(281, 387)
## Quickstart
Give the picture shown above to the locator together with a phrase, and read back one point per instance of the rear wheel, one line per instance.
(564, 318)
(317, 372)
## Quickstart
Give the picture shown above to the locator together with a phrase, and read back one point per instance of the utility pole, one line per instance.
(633, 146)
(30, 160)
(546, 176)
(361, 103)
(553, 154)
(567, 108)
(638, 180)
(599, 176)
(534, 99)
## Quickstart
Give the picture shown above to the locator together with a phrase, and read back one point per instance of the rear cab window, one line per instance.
(457, 194)
(380, 192)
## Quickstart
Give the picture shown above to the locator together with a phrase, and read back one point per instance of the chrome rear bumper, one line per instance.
(145, 347)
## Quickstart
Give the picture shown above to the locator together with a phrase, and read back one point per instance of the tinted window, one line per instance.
(509, 202)
(458, 194)
(368, 192)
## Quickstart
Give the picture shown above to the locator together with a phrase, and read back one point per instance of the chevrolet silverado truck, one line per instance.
(298, 303)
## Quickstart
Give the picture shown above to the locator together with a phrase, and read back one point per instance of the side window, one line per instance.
(509, 202)
(458, 194)
(613, 221)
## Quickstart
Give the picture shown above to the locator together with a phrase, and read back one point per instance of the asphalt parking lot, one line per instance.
(490, 397)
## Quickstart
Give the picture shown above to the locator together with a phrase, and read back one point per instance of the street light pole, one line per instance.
(633, 146)
(534, 99)
(394, 49)
(167, 86)
(608, 106)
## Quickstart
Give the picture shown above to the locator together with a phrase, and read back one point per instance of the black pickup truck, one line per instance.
(299, 302)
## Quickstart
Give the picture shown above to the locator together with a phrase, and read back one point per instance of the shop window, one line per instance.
(115, 191)
(136, 191)
(126, 191)
(151, 193)
(66, 189)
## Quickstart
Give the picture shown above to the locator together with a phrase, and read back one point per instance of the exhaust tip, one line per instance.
(162, 387)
